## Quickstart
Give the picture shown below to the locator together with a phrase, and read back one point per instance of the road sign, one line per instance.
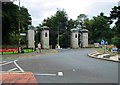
(23, 34)
(102, 42)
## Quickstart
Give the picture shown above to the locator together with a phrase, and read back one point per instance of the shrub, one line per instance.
(116, 41)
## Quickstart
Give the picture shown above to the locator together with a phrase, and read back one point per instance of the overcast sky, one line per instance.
(41, 9)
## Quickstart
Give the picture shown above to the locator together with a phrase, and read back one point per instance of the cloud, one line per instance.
(41, 9)
(97, 7)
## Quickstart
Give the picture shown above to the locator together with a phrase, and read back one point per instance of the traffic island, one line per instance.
(102, 56)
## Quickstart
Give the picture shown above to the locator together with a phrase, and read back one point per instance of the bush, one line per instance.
(116, 41)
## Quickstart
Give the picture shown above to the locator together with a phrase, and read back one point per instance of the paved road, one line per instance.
(70, 66)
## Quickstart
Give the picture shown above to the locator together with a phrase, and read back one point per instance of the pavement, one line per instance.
(18, 78)
(102, 56)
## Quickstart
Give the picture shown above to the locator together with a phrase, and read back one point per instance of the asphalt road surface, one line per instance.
(68, 66)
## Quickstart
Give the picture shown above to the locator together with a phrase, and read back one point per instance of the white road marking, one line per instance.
(60, 73)
(73, 69)
(18, 66)
(11, 72)
(45, 74)
(6, 63)
(3, 61)
(12, 69)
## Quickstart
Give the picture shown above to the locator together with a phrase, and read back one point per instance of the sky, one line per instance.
(41, 9)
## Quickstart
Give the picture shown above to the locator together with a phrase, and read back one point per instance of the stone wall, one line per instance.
(31, 37)
(74, 40)
(45, 39)
(84, 39)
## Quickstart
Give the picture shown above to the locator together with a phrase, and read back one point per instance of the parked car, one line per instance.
(114, 49)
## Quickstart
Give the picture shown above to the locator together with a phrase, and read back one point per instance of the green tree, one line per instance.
(10, 15)
(71, 24)
(8, 18)
(100, 29)
(55, 22)
(81, 19)
(115, 15)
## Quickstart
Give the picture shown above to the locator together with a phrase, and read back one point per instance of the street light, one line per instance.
(58, 41)
(58, 46)
(19, 30)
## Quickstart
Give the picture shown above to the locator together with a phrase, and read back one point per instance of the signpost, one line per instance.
(102, 42)
(103, 45)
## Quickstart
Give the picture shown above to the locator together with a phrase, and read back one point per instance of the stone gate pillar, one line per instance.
(45, 37)
(84, 38)
(74, 38)
(31, 37)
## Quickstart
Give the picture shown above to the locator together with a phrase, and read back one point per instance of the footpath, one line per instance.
(102, 56)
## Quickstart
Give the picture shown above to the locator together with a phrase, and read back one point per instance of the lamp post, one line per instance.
(58, 46)
(58, 41)
(19, 30)
(119, 3)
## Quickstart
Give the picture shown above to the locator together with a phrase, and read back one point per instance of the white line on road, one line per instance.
(45, 74)
(6, 63)
(18, 66)
(60, 73)
(73, 69)
(12, 69)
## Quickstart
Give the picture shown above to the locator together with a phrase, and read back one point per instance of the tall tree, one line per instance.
(59, 19)
(9, 19)
(80, 19)
(10, 15)
(56, 22)
(115, 15)
(71, 24)
(100, 29)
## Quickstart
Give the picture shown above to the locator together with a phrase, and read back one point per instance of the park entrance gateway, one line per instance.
(79, 38)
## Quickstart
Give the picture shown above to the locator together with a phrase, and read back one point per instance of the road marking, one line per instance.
(18, 66)
(11, 72)
(12, 69)
(45, 74)
(73, 69)
(2, 62)
(60, 73)
(6, 63)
